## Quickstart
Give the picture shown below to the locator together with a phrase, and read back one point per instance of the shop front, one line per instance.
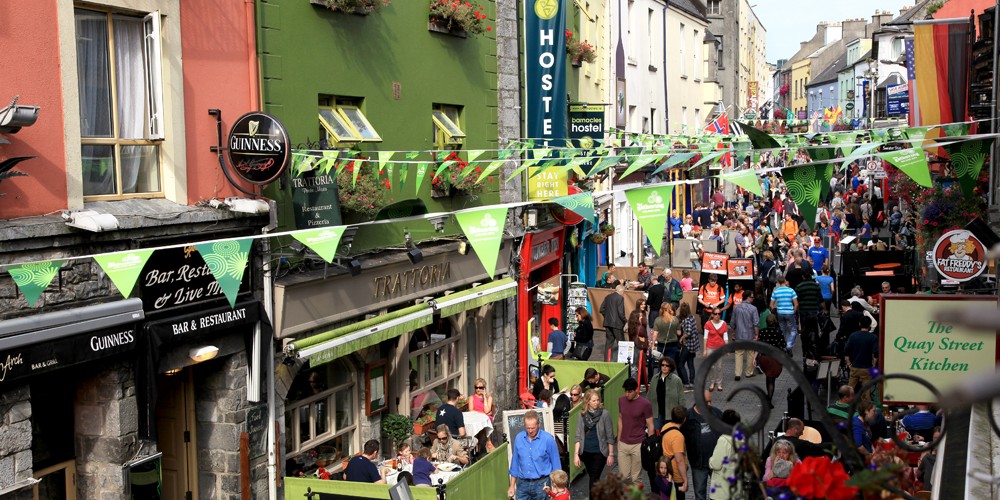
(541, 266)
(392, 340)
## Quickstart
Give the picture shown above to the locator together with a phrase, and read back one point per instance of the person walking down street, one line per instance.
(724, 461)
(785, 303)
(669, 391)
(655, 297)
(690, 345)
(744, 322)
(583, 338)
(635, 423)
(557, 340)
(674, 444)
(699, 441)
(595, 438)
(716, 336)
(533, 457)
(771, 367)
(810, 297)
(613, 310)
(862, 354)
(638, 333)
(666, 332)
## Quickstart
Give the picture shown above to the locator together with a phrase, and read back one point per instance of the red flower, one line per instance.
(489, 28)
(819, 477)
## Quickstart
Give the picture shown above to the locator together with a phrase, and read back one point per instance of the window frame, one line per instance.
(717, 11)
(443, 137)
(339, 111)
(293, 409)
(451, 376)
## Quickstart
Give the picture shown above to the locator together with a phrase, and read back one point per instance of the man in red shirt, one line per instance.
(635, 423)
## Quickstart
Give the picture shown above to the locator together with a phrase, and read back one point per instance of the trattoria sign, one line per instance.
(258, 147)
(959, 255)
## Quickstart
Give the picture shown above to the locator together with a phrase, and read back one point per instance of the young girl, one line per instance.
(405, 455)
(423, 468)
(558, 490)
(664, 477)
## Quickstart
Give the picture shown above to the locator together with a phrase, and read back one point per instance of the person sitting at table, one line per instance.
(593, 379)
(921, 423)
(404, 455)
(544, 396)
(575, 395)
(450, 415)
(482, 401)
(446, 449)
(362, 469)
(423, 468)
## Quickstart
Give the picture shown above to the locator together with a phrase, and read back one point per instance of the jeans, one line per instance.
(685, 365)
(672, 351)
(699, 482)
(531, 490)
(594, 463)
(630, 462)
(789, 327)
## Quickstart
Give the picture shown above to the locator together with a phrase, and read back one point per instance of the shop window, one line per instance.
(436, 365)
(342, 121)
(320, 417)
(447, 129)
(121, 103)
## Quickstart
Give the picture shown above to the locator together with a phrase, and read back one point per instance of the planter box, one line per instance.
(421, 429)
(357, 12)
(431, 26)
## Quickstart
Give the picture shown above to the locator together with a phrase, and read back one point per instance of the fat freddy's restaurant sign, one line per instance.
(258, 147)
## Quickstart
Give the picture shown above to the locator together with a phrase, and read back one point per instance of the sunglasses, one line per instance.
(575, 394)
(478, 387)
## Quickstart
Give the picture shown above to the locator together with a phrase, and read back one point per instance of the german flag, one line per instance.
(942, 62)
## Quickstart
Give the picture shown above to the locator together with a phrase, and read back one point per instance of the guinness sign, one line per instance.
(258, 147)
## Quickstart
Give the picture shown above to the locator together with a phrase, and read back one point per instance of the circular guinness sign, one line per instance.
(258, 147)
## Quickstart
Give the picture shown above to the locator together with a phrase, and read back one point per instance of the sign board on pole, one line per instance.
(897, 100)
(626, 352)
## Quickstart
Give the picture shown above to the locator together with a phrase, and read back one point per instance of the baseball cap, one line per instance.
(630, 384)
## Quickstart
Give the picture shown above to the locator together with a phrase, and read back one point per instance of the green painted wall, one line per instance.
(307, 51)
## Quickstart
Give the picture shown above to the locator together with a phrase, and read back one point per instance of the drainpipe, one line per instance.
(666, 100)
(252, 70)
(272, 458)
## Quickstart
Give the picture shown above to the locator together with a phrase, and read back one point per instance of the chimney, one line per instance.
(854, 28)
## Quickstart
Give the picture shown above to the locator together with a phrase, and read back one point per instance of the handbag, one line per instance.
(582, 351)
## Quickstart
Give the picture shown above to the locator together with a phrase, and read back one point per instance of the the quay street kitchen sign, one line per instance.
(545, 67)
(959, 256)
(258, 147)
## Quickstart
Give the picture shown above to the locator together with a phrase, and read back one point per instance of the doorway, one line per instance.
(175, 425)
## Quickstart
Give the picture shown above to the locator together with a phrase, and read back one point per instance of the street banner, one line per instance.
(714, 263)
(545, 61)
(227, 260)
(912, 162)
(746, 179)
(581, 203)
(586, 128)
(651, 206)
(124, 268)
(807, 184)
(33, 278)
(967, 158)
(323, 241)
(959, 256)
(943, 354)
(739, 269)
(484, 229)
(897, 100)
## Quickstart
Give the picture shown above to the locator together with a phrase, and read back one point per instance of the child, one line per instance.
(560, 480)
(664, 477)
(404, 456)
(543, 398)
(423, 468)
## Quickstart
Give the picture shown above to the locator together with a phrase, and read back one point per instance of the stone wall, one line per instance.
(15, 441)
(504, 333)
(509, 91)
(80, 282)
(106, 425)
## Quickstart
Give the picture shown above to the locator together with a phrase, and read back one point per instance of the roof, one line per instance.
(829, 74)
(689, 7)
(918, 11)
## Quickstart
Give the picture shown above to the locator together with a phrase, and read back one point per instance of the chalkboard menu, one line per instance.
(257, 429)
(513, 424)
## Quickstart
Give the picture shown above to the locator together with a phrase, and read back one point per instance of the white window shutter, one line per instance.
(154, 75)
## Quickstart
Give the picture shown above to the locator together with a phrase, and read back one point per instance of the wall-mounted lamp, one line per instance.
(413, 253)
(203, 353)
(463, 248)
(90, 220)
(531, 217)
(14, 116)
(354, 266)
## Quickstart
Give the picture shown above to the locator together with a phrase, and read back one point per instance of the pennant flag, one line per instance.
(708, 158)
(302, 163)
(845, 141)
(941, 64)
(746, 179)
(639, 162)
(912, 162)
(759, 138)
(673, 160)
(492, 167)
(604, 163)
(329, 160)
(227, 260)
(484, 229)
(915, 135)
(323, 240)
(807, 184)
(859, 151)
(474, 154)
(821, 153)
(581, 203)
(525, 164)
(383, 158)
(422, 169)
(967, 158)
(404, 170)
(34, 277)
(651, 206)
(124, 268)
(719, 125)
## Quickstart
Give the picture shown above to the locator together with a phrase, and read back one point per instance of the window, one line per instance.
(628, 25)
(121, 103)
(697, 118)
(434, 369)
(447, 131)
(651, 31)
(715, 7)
(694, 56)
(343, 121)
(320, 414)
(718, 55)
(683, 33)
(652, 120)
(684, 118)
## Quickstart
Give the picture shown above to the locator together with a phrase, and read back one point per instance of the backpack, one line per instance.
(652, 449)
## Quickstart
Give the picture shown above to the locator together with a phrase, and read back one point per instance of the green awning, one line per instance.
(476, 296)
(328, 346)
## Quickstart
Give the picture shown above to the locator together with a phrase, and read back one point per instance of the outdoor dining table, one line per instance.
(393, 476)
(475, 422)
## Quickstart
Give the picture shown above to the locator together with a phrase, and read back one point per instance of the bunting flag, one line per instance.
(822, 154)
(710, 157)
(33, 278)
(323, 240)
(807, 184)
(639, 162)
(845, 141)
(329, 161)
(383, 158)
(604, 163)
(746, 179)
(941, 62)
(422, 169)
(124, 268)
(581, 203)
(484, 229)
(759, 138)
(673, 160)
(227, 260)
(651, 206)
(860, 151)
(912, 162)
(967, 158)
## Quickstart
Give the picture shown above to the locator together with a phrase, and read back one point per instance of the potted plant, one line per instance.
(361, 7)
(579, 51)
(365, 196)
(457, 17)
(398, 428)
(455, 177)
(598, 238)
(462, 403)
(607, 229)
(424, 422)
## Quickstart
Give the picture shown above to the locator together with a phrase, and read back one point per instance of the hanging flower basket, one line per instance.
(607, 229)
(579, 51)
(456, 179)
(598, 238)
(457, 17)
(360, 7)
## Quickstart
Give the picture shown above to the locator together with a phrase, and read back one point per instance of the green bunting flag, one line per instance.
(821, 153)
(488, 171)
(604, 163)
(474, 154)
(124, 268)
(916, 135)
(329, 161)
(967, 158)
(227, 260)
(34, 277)
(651, 206)
(955, 129)
(912, 162)
(484, 229)
(860, 151)
(709, 158)
(639, 162)
(673, 160)
(323, 240)
(581, 203)
(422, 169)
(807, 184)
(746, 179)
(845, 141)
(759, 138)
(383, 158)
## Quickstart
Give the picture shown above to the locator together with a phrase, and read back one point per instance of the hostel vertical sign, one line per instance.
(545, 67)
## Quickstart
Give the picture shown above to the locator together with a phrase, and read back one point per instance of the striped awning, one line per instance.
(476, 296)
(339, 342)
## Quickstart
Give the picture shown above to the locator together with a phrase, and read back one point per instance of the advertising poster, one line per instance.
(714, 263)
(915, 343)
(897, 100)
(740, 269)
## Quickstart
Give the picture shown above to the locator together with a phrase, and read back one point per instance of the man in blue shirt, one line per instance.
(449, 415)
(819, 255)
(921, 423)
(557, 340)
(533, 457)
(785, 302)
(862, 353)
(361, 469)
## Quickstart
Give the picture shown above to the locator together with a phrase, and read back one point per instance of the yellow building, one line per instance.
(801, 72)
(594, 83)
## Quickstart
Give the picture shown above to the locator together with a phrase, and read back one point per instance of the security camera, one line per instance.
(438, 223)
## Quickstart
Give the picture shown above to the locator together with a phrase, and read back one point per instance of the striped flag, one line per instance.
(941, 60)
(913, 119)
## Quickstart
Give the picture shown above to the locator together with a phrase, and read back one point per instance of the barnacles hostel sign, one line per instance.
(545, 67)
(959, 256)
(914, 342)
(258, 147)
